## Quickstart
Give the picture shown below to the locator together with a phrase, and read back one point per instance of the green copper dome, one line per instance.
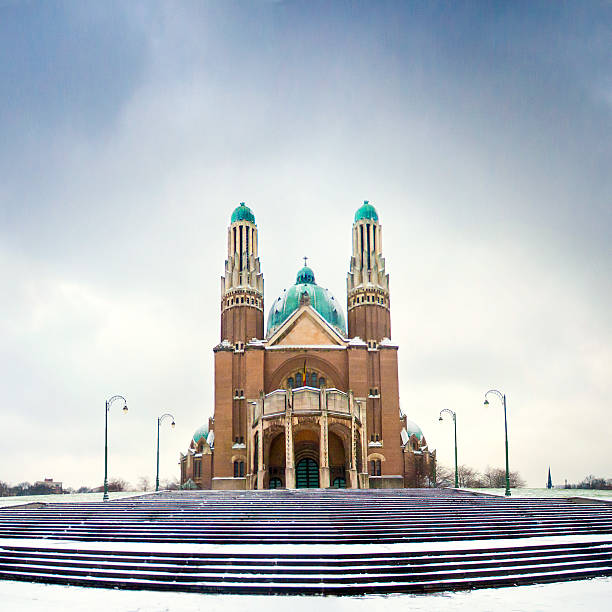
(366, 211)
(320, 299)
(243, 213)
(201, 432)
(305, 275)
(413, 428)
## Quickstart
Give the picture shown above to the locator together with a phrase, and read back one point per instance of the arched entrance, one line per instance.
(275, 483)
(274, 457)
(307, 474)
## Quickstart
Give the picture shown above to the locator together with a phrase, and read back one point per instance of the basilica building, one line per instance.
(310, 402)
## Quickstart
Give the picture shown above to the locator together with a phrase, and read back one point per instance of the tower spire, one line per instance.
(367, 281)
(242, 301)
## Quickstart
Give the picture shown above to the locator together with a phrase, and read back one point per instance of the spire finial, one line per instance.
(305, 261)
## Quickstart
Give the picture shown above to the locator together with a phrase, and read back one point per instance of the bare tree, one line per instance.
(117, 484)
(495, 478)
(444, 476)
(171, 484)
(516, 480)
(469, 477)
(144, 484)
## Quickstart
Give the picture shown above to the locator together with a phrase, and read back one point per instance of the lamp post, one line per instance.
(159, 421)
(454, 415)
(108, 405)
(502, 397)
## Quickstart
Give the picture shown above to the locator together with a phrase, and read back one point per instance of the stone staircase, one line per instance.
(342, 542)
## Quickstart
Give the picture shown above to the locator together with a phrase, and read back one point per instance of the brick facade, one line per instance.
(311, 401)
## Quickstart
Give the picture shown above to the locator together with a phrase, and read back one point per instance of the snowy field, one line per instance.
(592, 595)
(17, 500)
(97, 497)
(550, 493)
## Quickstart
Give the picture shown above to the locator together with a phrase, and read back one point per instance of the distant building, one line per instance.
(49, 483)
(309, 403)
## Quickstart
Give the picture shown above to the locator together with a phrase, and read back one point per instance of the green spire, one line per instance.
(243, 213)
(366, 211)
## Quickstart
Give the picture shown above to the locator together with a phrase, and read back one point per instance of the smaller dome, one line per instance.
(305, 275)
(243, 213)
(366, 211)
(413, 428)
(201, 432)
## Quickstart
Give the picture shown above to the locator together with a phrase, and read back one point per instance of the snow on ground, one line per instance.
(97, 497)
(17, 500)
(299, 549)
(554, 493)
(588, 595)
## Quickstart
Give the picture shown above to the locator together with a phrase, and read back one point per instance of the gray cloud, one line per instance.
(481, 134)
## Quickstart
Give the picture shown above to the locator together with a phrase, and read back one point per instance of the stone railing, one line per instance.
(275, 402)
(305, 399)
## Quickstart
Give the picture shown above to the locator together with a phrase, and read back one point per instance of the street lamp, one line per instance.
(502, 397)
(108, 405)
(159, 421)
(454, 415)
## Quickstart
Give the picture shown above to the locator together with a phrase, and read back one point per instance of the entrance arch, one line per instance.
(275, 483)
(307, 474)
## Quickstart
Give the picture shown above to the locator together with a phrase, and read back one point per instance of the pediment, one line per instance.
(306, 327)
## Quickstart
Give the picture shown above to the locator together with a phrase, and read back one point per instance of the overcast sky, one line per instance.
(129, 132)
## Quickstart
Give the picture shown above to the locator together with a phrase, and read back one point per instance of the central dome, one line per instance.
(320, 299)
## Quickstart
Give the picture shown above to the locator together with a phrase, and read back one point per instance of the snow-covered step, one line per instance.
(311, 573)
(391, 585)
(307, 542)
(399, 572)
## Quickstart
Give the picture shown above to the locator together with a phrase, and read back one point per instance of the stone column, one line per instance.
(364, 478)
(323, 445)
(353, 460)
(261, 468)
(289, 459)
(250, 451)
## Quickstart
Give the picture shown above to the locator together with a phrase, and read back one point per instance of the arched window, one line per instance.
(298, 379)
(375, 468)
(321, 382)
(290, 382)
(238, 469)
(313, 379)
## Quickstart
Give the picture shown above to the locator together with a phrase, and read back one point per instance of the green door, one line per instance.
(307, 474)
(275, 483)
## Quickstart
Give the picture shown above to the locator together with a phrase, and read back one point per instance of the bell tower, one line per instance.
(242, 300)
(367, 282)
